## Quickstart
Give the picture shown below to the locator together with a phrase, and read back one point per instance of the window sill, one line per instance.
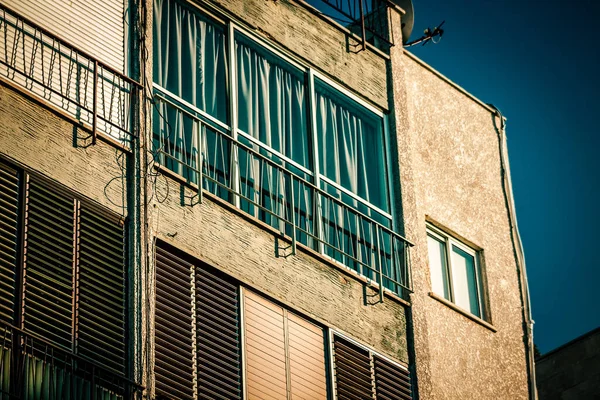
(463, 312)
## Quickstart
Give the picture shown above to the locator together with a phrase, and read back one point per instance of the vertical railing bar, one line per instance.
(293, 217)
(95, 103)
(380, 265)
(200, 160)
(362, 24)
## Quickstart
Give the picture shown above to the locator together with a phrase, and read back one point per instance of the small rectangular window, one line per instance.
(455, 272)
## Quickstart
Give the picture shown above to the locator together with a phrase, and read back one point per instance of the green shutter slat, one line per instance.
(9, 223)
(101, 312)
(218, 335)
(391, 381)
(173, 326)
(49, 268)
(352, 371)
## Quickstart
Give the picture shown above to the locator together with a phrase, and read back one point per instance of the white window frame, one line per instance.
(450, 241)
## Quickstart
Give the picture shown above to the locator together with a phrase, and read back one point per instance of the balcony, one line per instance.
(99, 97)
(32, 368)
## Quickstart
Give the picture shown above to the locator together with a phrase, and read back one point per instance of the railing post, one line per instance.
(380, 265)
(200, 159)
(95, 103)
(362, 24)
(293, 217)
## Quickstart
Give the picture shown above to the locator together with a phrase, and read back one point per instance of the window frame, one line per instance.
(449, 241)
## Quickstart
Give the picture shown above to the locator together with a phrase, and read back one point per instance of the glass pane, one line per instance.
(272, 101)
(190, 57)
(464, 281)
(438, 266)
(351, 147)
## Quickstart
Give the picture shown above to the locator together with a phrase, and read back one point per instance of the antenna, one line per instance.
(429, 35)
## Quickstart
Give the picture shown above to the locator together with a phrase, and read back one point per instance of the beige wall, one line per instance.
(42, 138)
(450, 164)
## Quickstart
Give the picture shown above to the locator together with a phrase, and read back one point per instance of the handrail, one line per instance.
(52, 68)
(22, 343)
(378, 239)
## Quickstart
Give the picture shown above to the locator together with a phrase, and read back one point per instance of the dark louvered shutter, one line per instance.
(218, 336)
(392, 382)
(9, 224)
(174, 365)
(101, 289)
(49, 264)
(353, 377)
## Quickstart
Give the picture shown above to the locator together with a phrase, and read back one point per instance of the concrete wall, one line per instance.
(571, 372)
(48, 141)
(450, 172)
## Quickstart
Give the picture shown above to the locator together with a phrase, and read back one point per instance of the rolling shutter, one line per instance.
(285, 354)
(308, 379)
(48, 276)
(101, 289)
(353, 376)
(9, 223)
(265, 349)
(391, 381)
(174, 364)
(217, 337)
(94, 26)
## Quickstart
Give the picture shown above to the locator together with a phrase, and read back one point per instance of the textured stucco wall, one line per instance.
(44, 141)
(450, 174)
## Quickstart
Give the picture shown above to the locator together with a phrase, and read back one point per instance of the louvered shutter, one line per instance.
(353, 376)
(265, 349)
(308, 378)
(174, 365)
(101, 288)
(218, 336)
(9, 223)
(48, 300)
(392, 382)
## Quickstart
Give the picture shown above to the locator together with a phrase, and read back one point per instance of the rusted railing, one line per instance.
(33, 368)
(90, 90)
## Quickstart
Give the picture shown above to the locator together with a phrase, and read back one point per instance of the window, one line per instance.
(245, 122)
(455, 272)
(62, 279)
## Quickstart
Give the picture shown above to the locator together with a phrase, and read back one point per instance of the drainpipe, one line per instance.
(519, 252)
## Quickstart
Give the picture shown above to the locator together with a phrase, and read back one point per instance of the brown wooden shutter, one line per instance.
(391, 381)
(9, 224)
(308, 379)
(217, 336)
(265, 349)
(285, 354)
(174, 364)
(48, 300)
(353, 376)
(101, 288)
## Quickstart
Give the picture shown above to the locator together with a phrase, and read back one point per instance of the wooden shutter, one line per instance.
(308, 379)
(217, 336)
(48, 276)
(285, 354)
(174, 365)
(101, 288)
(353, 376)
(266, 376)
(391, 381)
(9, 224)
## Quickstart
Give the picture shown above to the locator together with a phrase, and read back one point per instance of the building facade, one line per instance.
(249, 199)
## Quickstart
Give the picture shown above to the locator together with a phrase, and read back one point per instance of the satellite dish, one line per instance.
(408, 19)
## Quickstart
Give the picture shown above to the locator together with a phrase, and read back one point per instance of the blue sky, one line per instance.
(537, 61)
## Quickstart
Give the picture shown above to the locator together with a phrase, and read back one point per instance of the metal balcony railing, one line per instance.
(260, 183)
(33, 368)
(369, 19)
(48, 66)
